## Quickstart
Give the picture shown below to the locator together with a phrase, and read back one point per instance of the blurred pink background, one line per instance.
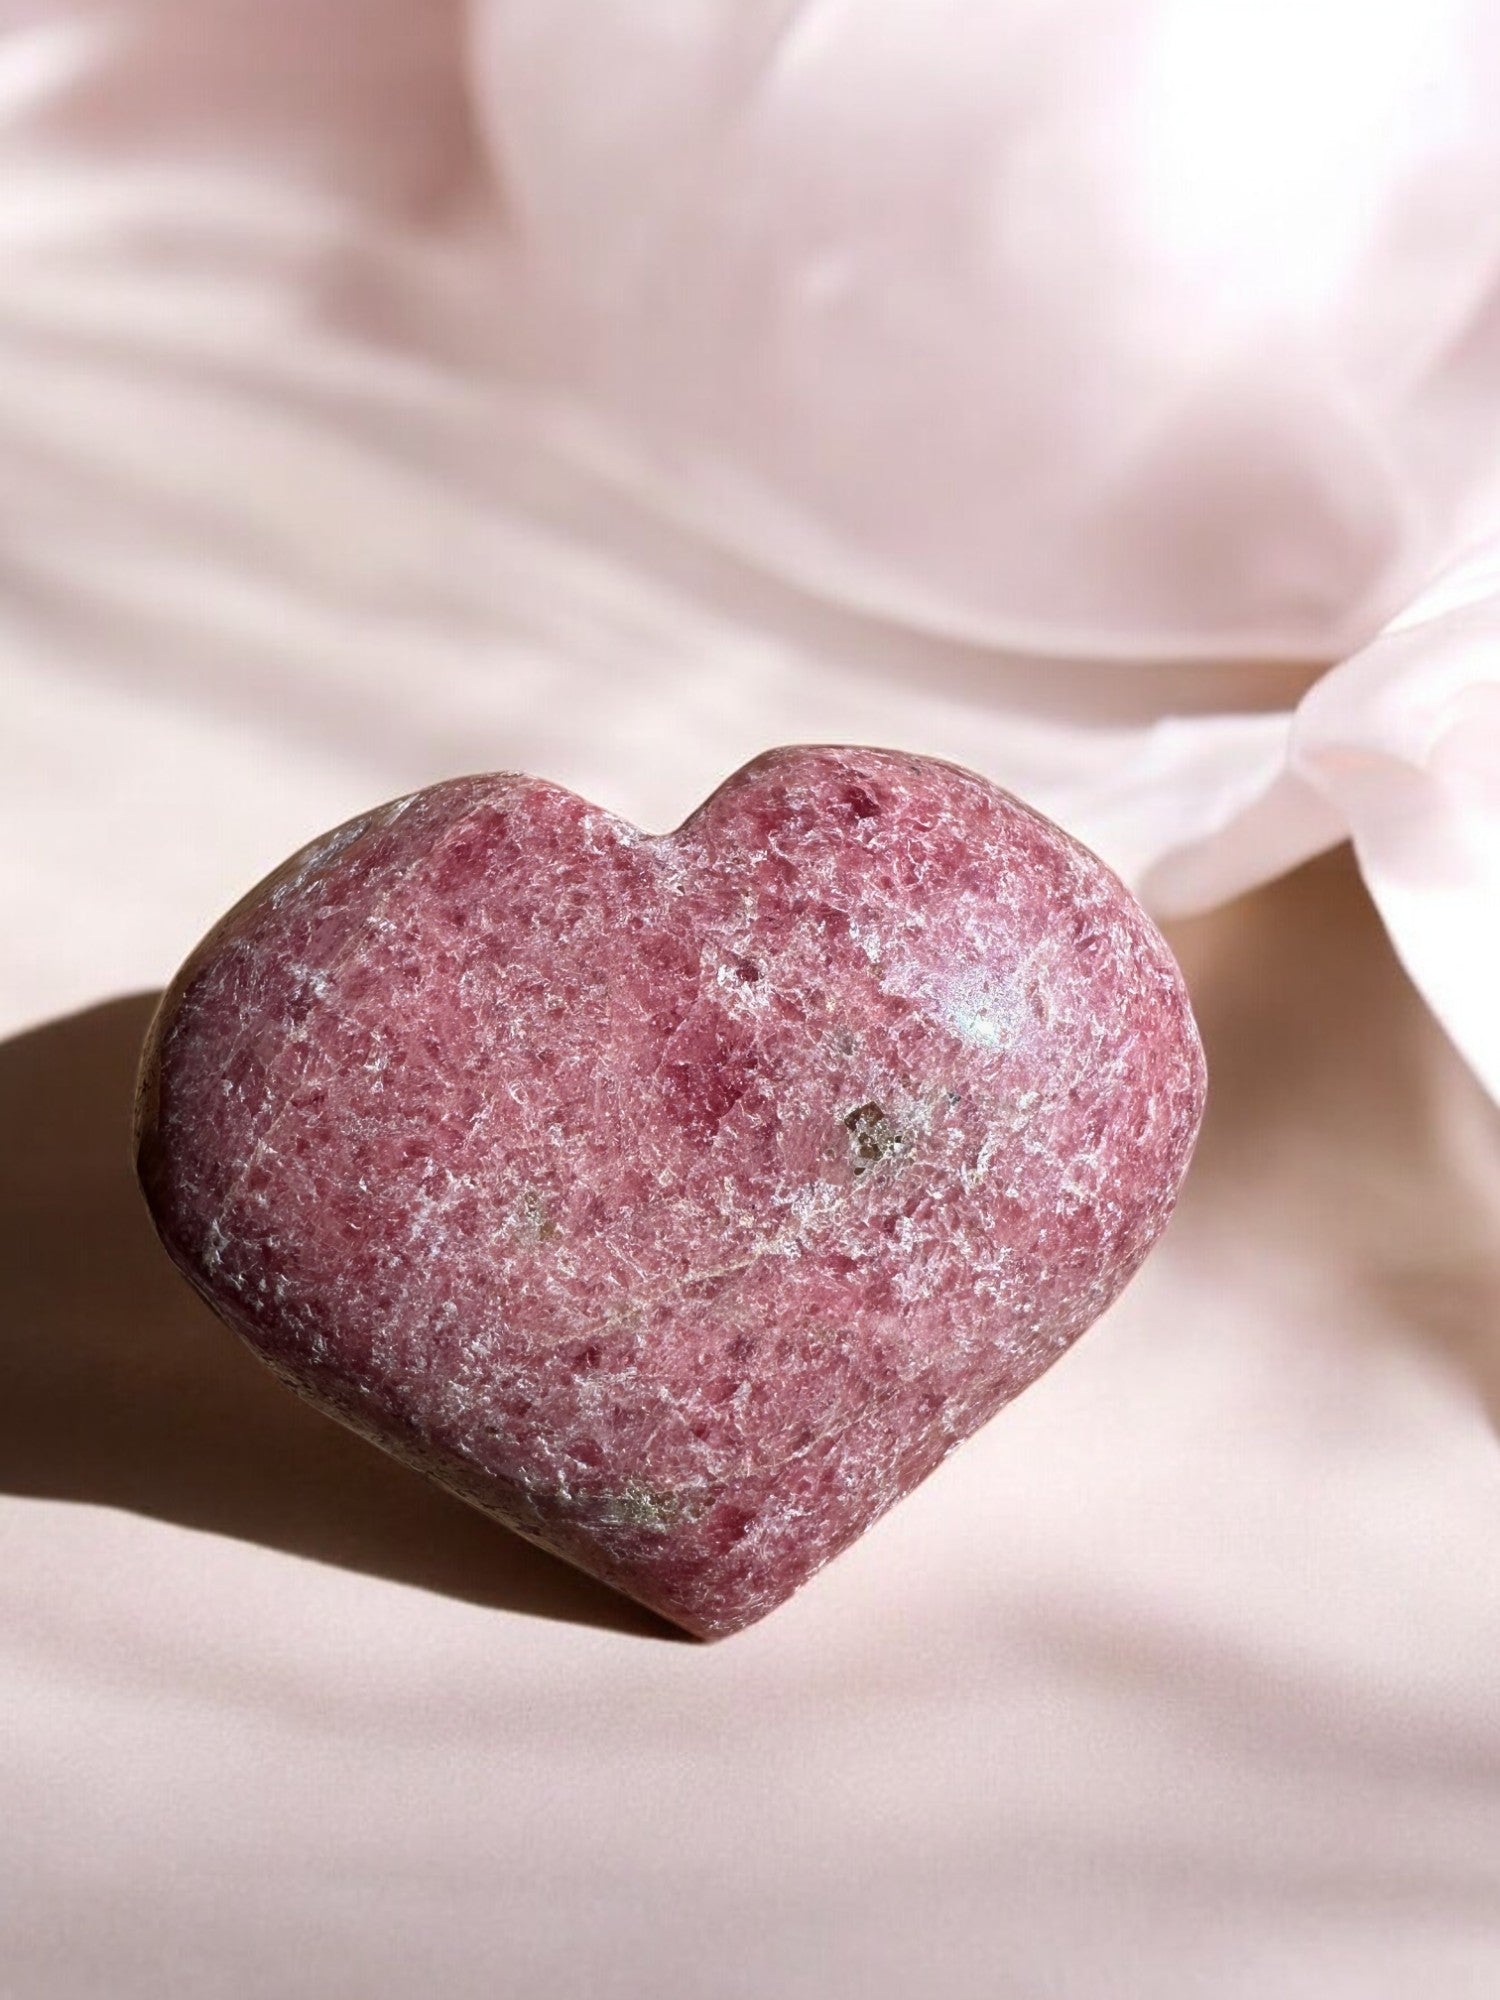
(1105, 395)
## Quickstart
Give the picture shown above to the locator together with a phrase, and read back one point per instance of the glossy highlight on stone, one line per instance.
(682, 1201)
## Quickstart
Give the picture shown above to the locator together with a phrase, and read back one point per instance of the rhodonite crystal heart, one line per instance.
(682, 1201)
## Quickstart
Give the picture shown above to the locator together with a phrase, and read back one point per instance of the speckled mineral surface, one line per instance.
(682, 1200)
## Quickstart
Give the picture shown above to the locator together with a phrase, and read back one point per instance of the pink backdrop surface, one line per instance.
(1178, 1682)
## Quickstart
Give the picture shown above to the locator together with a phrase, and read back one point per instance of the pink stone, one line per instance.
(681, 1201)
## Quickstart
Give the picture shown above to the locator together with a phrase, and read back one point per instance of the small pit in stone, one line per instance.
(873, 1137)
(538, 1217)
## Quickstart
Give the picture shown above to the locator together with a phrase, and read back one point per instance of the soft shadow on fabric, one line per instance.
(118, 1387)
(1336, 1100)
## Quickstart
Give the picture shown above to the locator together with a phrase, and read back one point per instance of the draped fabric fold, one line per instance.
(1033, 349)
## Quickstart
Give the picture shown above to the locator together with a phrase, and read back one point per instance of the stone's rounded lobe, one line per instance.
(682, 1201)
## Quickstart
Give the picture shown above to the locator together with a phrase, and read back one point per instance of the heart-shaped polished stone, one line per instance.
(682, 1201)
